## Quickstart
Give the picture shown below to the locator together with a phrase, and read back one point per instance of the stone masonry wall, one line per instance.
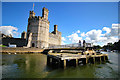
(39, 27)
(54, 39)
(20, 50)
(17, 41)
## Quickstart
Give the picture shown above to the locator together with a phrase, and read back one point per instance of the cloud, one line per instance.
(63, 43)
(97, 37)
(78, 31)
(114, 30)
(108, 30)
(74, 37)
(109, 40)
(9, 30)
(63, 39)
(83, 34)
(94, 34)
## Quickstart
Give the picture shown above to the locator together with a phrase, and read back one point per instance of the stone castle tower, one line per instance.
(23, 35)
(38, 31)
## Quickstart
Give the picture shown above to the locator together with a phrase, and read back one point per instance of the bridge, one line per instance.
(76, 46)
(70, 46)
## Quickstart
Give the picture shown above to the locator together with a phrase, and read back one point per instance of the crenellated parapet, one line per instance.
(55, 37)
(37, 18)
(39, 27)
(32, 14)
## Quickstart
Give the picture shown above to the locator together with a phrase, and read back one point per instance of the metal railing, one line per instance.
(74, 45)
(66, 46)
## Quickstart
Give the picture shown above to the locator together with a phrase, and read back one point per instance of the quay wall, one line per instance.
(21, 50)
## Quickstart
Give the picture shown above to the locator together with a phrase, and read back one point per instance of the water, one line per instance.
(34, 66)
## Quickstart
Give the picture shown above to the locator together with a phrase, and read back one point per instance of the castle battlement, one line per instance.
(39, 28)
(45, 9)
(31, 19)
(35, 17)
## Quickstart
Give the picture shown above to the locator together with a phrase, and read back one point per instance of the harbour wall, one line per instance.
(21, 50)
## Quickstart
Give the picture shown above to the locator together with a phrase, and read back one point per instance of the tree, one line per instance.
(97, 47)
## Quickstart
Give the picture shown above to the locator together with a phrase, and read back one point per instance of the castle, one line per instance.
(38, 34)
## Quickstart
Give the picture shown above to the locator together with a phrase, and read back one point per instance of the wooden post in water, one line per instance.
(76, 62)
(100, 59)
(104, 58)
(86, 59)
(48, 60)
(94, 60)
(64, 63)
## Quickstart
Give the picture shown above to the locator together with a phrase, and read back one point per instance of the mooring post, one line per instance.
(100, 59)
(94, 59)
(86, 59)
(51, 60)
(48, 60)
(64, 63)
(104, 58)
(76, 62)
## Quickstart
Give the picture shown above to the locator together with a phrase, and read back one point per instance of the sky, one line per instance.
(95, 22)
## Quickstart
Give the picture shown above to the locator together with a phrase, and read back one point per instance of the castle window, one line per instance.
(28, 30)
(33, 45)
(28, 35)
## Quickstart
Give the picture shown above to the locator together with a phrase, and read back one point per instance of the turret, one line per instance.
(32, 14)
(45, 13)
(23, 35)
(55, 29)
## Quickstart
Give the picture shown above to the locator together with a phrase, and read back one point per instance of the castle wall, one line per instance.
(40, 31)
(39, 27)
(17, 41)
(29, 40)
(33, 28)
(54, 39)
(23, 35)
(43, 33)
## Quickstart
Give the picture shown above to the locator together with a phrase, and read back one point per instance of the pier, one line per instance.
(66, 59)
(73, 55)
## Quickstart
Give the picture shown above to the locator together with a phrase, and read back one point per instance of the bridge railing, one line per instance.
(66, 46)
(70, 46)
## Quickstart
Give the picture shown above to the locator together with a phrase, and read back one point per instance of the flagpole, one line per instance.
(33, 7)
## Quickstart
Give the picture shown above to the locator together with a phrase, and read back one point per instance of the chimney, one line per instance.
(55, 29)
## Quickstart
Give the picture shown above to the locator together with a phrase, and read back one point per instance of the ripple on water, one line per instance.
(34, 66)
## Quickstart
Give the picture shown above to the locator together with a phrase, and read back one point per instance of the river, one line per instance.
(34, 66)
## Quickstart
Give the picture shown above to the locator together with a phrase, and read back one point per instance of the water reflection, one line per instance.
(34, 66)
